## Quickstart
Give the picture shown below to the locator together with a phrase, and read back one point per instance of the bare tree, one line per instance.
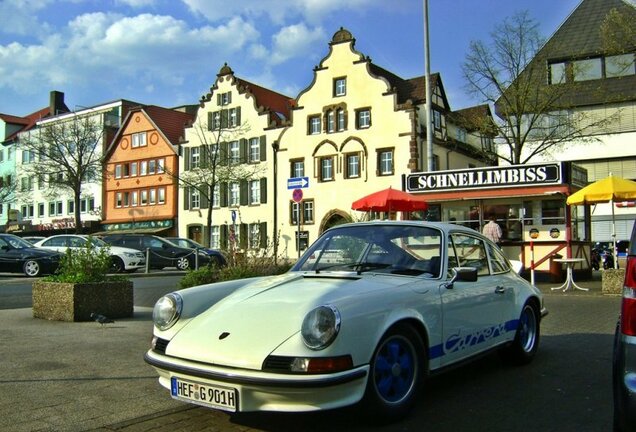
(66, 156)
(217, 166)
(531, 115)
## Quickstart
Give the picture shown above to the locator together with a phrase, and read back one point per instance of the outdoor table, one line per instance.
(569, 279)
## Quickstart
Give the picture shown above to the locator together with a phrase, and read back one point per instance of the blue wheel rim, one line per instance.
(395, 369)
(527, 329)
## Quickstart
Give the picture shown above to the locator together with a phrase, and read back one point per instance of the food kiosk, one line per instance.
(528, 202)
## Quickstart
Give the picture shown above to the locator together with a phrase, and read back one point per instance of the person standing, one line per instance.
(492, 230)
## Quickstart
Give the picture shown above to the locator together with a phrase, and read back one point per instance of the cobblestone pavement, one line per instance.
(57, 376)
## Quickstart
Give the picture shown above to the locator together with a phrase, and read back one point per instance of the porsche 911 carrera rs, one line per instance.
(365, 315)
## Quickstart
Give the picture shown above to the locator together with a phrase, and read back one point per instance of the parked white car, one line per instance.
(123, 259)
(366, 314)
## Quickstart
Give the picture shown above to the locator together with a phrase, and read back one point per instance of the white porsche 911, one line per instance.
(366, 314)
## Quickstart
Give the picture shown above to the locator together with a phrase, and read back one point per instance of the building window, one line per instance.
(126, 199)
(234, 117)
(588, 69)
(552, 212)
(152, 200)
(195, 157)
(27, 211)
(143, 168)
(224, 99)
(215, 237)
(558, 73)
(385, 162)
(363, 118)
(133, 169)
(255, 236)
(118, 171)
(41, 210)
(235, 152)
(255, 192)
(118, 200)
(27, 156)
(152, 166)
(339, 86)
(353, 165)
(56, 208)
(619, 65)
(326, 168)
(331, 121)
(144, 197)
(161, 166)
(126, 170)
(437, 120)
(216, 196)
(298, 168)
(139, 139)
(314, 125)
(216, 120)
(134, 198)
(195, 198)
(308, 211)
(161, 198)
(255, 150)
(235, 194)
(340, 117)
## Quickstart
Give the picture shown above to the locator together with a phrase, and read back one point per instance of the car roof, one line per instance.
(446, 227)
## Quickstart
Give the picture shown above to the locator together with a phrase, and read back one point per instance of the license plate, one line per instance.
(213, 396)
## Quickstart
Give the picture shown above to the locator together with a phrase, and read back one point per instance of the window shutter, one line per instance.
(223, 194)
(224, 118)
(205, 199)
(224, 156)
(229, 97)
(243, 230)
(264, 190)
(243, 192)
(223, 234)
(186, 198)
(219, 99)
(238, 116)
(263, 148)
(263, 235)
(210, 121)
(243, 150)
(186, 159)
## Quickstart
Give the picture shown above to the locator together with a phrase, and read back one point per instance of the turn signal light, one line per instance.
(628, 309)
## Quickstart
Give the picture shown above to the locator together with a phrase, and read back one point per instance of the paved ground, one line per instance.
(59, 376)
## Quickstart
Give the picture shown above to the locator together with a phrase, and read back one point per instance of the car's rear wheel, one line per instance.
(183, 263)
(32, 268)
(117, 265)
(526, 342)
(396, 373)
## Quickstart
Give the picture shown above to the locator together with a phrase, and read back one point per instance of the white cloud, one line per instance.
(136, 3)
(293, 41)
(20, 17)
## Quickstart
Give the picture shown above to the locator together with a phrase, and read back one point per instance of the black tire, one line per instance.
(116, 264)
(32, 268)
(182, 263)
(396, 374)
(524, 347)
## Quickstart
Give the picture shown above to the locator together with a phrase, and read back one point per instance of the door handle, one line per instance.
(500, 290)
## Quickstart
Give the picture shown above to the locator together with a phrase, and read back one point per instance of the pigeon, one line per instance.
(101, 319)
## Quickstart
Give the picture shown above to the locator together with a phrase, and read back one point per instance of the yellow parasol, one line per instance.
(609, 189)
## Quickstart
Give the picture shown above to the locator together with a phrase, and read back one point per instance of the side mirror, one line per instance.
(462, 274)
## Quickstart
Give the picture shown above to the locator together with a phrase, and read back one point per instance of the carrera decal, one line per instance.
(458, 342)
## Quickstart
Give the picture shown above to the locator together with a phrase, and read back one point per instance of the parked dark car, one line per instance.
(624, 359)
(216, 255)
(163, 253)
(20, 256)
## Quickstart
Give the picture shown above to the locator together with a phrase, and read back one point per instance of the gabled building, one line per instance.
(601, 84)
(140, 184)
(228, 165)
(50, 209)
(10, 128)
(358, 128)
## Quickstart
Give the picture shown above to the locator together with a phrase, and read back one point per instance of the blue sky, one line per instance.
(168, 52)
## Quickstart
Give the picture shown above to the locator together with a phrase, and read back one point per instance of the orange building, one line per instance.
(142, 161)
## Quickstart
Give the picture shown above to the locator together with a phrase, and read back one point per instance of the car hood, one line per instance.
(248, 325)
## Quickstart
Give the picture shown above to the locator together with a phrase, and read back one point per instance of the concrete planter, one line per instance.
(612, 281)
(75, 302)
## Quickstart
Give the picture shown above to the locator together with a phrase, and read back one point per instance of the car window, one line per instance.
(55, 242)
(16, 242)
(76, 242)
(153, 242)
(498, 263)
(471, 252)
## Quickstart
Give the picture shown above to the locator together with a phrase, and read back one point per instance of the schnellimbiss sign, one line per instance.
(486, 178)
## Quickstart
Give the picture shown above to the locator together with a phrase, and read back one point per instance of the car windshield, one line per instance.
(395, 249)
(15, 242)
(98, 242)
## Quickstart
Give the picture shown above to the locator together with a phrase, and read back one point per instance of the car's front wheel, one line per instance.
(32, 268)
(396, 374)
(183, 263)
(526, 342)
(117, 265)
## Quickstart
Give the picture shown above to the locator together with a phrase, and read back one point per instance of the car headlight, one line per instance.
(130, 254)
(167, 311)
(320, 327)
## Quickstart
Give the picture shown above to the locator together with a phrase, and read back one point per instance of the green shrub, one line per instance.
(84, 265)
(251, 267)
(204, 275)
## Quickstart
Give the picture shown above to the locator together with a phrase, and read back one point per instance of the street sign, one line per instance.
(297, 195)
(297, 183)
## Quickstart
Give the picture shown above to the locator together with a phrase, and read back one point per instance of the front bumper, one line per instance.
(262, 391)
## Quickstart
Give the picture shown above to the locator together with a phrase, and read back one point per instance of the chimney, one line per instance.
(56, 103)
